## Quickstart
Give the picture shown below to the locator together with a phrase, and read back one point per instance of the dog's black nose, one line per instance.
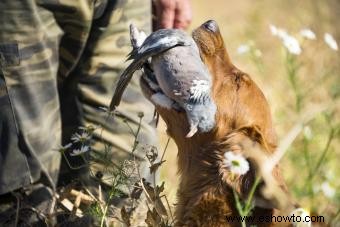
(211, 25)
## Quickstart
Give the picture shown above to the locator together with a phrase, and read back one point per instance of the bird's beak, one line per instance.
(192, 131)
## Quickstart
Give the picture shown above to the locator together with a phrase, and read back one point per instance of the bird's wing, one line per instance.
(153, 45)
(161, 41)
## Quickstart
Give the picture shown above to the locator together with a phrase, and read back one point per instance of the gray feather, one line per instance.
(178, 70)
(157, 43)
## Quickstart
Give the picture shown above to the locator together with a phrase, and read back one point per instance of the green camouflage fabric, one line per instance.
(59, 61)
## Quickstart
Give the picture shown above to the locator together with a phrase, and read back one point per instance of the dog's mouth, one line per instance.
(208, 38)
(153, 92)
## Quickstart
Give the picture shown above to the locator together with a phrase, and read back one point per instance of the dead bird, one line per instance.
(181, 78)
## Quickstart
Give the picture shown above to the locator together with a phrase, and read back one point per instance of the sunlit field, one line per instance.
(302, 87)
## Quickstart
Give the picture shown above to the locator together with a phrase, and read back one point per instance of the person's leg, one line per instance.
(30, 127)
(29, 116)
(92, 83)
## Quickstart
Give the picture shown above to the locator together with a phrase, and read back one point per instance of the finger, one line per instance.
(183, 14)
(165, 11)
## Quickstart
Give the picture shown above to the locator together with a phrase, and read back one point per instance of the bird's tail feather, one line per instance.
(122, 84)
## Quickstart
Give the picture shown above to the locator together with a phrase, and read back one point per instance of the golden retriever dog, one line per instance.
(243, 125)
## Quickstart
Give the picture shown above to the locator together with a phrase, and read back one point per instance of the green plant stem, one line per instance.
(239, 207)
(135, 143)
(309, 168)
(313, 173)
(323, 155)
(257, 61)
(171, 215)
(130, 128)
(105, 210)
(69, 164)
(165, 148)
(336, 216)
(112, 193)
(248, 205)
(245, 210)
(292, 70)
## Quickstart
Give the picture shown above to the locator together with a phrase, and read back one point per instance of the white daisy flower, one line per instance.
(308, 34)
(328, 190)
(292, 44)
(279, 32)
(83, 137)
(64, 148)
(242, 49)
(236, 163)
(301, 221)
(330, 41)
(80, 151)
(273, 29)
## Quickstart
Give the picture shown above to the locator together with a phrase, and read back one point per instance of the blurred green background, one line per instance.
(294, 85)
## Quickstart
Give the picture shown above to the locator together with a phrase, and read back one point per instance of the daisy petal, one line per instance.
(330, 41)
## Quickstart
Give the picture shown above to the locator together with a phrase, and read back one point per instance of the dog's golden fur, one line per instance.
(205, 195)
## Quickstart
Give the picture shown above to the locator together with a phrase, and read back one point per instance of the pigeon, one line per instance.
(156, 43)
(179, 72)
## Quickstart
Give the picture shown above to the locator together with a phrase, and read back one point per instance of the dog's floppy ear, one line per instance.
(249, 142)
(243, 141)
(254, 134)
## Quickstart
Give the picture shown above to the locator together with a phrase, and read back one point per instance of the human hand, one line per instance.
(172, 14)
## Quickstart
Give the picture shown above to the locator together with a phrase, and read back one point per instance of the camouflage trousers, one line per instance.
(59, 60)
